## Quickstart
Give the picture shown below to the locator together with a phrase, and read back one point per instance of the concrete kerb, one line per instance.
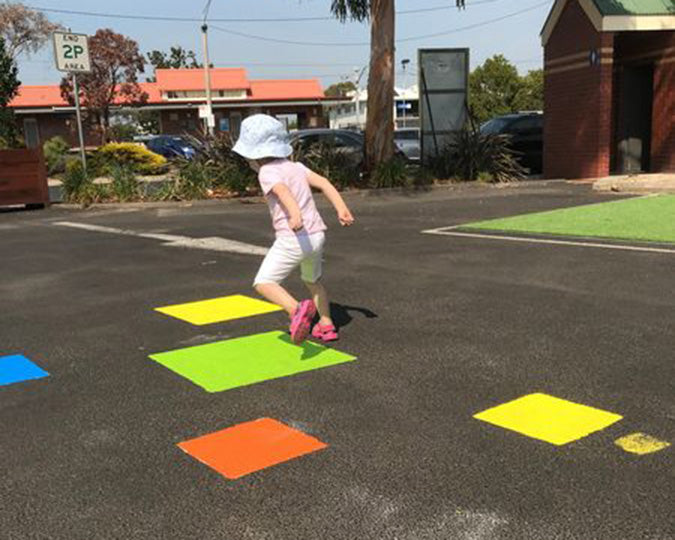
(638, 184)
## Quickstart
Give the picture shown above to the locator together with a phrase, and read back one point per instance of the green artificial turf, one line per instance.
(644, 218)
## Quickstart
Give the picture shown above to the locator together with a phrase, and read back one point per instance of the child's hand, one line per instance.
(295, 222)
(345, 217)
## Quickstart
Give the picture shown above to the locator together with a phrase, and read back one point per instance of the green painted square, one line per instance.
(225, 365)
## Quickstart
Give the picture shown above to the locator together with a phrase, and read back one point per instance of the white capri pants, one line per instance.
(289, 252)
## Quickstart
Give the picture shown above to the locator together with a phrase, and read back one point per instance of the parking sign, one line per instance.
(72, 52)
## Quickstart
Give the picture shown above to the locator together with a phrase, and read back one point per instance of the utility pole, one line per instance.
(359, 75)
(405, 62)
(78, 113)
(210, 120)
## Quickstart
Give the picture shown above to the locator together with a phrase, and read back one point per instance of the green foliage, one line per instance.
(137, 157)
(177, 58)
(331, 163)
(77, 185)
(124, 185)
(228, 171)
(9, 88)
(530, 95)
(474, 155)
(56, 150)
(392, 173)
(496, 88)
(194, 181)
(123, 132)
(340, 89)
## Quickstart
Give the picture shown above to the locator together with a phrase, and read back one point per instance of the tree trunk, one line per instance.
(380, 121)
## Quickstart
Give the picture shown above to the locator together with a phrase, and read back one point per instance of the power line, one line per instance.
(239, 20)
(366, 43)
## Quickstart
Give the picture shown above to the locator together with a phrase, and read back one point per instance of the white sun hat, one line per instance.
(263, 136)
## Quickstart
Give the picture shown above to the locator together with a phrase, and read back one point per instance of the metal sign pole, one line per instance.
(76, 88)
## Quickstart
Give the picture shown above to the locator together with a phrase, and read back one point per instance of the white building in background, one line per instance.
(352, 114)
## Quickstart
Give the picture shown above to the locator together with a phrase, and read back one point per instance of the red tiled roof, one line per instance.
(38, 96)
(286, 90)
(193, 79)
(186, 80)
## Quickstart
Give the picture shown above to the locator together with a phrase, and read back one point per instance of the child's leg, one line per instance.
(320, 297)
(278, 295)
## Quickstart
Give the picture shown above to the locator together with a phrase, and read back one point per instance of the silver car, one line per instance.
(408, 141)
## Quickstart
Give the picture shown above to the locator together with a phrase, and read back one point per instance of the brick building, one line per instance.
(176, 96)
(609, 88)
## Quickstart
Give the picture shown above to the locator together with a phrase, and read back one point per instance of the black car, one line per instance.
(171, 146)
(350, 143)
(526, 131)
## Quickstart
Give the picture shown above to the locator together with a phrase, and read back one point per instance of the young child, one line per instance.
(299, 228)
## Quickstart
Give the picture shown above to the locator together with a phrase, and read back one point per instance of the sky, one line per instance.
(323, 49)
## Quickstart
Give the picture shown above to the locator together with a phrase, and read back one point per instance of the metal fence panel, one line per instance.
(443, 83)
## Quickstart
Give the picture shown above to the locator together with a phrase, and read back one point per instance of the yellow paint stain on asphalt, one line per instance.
(548, 418)
(641, 444)
(223, 309)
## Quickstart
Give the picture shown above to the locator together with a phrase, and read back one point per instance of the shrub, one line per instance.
(123, 132)
(392, 173)
(76, 182)
(331, 163)
(194, 181)
(139, 158)
(124, 185)
(228, 170)
(473, 155)
(56, 150)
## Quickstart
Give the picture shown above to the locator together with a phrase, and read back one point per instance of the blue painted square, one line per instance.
(18, 368)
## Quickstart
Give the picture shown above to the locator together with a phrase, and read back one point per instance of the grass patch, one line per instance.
(650, 219)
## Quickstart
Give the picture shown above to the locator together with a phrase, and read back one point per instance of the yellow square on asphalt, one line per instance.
(641, 444)
(217, 310)
(551, 419)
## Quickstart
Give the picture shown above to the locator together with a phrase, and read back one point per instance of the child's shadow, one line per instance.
(342, 317)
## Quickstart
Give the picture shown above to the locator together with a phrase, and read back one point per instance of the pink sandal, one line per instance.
(325, 333)
(302, 321)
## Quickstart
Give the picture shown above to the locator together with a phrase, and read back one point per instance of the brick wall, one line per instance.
(59, 124)
(578, 98)
(663, 132)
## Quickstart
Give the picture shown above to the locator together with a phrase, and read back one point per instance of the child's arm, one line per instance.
(323, 184)
(290, 204)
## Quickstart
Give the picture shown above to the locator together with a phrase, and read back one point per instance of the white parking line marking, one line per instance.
(214, 243)
(451, 231)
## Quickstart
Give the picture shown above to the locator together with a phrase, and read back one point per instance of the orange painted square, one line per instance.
(246, 448)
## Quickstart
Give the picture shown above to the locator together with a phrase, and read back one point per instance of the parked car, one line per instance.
(526, 131)
(408, 141)
(351, 143)
(172, 146)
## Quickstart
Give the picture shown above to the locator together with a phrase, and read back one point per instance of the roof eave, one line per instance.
(607, 23)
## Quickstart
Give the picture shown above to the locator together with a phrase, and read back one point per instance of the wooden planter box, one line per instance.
(23, 178)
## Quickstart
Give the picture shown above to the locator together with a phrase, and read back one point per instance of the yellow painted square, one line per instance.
(548, 418)
(641, 444)
(223, 309)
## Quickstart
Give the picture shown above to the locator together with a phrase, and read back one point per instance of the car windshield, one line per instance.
(496, 125)
(410, 135)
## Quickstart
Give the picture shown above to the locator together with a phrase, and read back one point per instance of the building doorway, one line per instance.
(635, 119)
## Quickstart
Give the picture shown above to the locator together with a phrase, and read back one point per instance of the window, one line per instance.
(407, 135)
(528, 124)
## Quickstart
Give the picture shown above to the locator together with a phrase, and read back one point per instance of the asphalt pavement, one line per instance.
(442, 328)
